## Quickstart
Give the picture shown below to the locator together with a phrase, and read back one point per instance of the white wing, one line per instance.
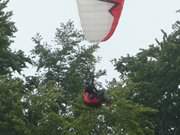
(96, 20)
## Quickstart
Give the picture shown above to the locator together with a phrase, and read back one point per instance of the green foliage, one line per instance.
(43, 110)
(9, 61)
(121, 117)
(69, 61)
(64, 67)
(153, 76)
(7, 27)
(11, 108)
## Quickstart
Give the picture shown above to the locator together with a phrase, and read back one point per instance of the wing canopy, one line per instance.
(99, 18)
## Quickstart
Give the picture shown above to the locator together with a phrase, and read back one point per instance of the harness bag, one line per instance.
(91, 100)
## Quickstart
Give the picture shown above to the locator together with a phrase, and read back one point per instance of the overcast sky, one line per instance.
(139, 25)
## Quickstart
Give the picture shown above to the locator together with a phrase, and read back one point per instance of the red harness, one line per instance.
(91, 101)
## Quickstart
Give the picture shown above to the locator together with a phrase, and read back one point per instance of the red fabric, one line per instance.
(116, 12)
(92, 102)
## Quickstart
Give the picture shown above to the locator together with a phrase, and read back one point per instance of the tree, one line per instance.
(122, 117)
(48, 114)
(12, 120)
(153, 76)
(69, 62)
(66, 66)
(10, 61)
(43, 110)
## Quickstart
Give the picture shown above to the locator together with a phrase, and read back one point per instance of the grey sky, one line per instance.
(140, 24)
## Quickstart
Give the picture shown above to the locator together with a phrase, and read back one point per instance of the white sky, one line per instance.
(140, 24)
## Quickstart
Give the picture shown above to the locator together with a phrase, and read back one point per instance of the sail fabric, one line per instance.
(99, 18)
